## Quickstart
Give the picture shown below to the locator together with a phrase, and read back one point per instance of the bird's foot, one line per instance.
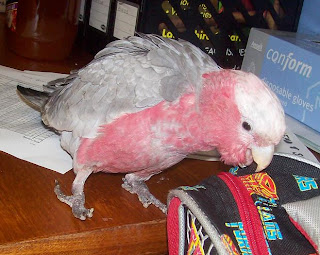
(140, 188)
(76, 202)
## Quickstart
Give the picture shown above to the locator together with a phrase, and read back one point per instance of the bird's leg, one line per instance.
(136, 185)
(77, 200)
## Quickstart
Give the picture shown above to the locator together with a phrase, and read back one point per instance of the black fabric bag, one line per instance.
(276, 211)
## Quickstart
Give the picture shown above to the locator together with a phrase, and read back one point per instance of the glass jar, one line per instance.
(42, 29)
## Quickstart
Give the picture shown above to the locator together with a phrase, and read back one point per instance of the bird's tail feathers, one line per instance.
(36, 99)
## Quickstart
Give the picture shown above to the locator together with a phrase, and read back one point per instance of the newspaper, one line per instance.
(22, 133)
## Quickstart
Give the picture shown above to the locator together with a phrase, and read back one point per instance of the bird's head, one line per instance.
(241, 117)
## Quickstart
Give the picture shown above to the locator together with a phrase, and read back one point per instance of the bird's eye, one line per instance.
(246, 126)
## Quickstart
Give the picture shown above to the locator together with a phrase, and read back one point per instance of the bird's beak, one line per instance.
(262, 156)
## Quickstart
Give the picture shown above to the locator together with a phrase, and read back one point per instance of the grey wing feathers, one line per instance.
(186, 61)
(141, 44)
(60, 82)
(126, 77)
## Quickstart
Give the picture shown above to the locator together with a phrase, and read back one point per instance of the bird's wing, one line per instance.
(126, 77)
(186, 61)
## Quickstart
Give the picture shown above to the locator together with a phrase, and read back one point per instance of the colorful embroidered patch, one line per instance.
(306, 183)
(260, 184)
(240, 236)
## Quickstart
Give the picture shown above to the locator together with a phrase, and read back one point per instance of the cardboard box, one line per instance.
(289, 64)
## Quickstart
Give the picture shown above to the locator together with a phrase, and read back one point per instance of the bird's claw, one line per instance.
(79, 211)
(76, 202)
(146, 201)
(143, 193)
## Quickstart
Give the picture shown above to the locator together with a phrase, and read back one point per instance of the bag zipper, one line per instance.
(248, 214)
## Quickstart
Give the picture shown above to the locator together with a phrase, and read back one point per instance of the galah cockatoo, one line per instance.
(144, 103)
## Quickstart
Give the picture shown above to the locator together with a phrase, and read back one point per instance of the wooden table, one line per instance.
(33, 221)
